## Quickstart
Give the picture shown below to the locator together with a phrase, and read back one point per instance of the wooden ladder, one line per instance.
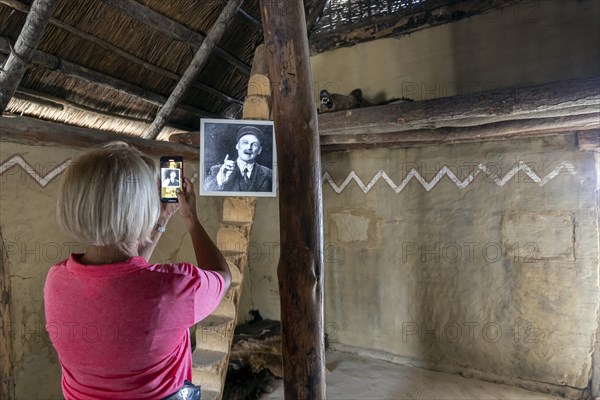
(214, 335)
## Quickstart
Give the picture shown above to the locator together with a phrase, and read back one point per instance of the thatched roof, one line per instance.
(111, 64)
(100, 37)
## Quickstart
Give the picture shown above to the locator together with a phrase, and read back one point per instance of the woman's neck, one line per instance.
(108, 254)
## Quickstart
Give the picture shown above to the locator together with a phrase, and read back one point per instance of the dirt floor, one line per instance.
(353, 377)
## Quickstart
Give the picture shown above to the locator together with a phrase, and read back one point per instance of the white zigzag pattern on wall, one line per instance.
(43, 180)
(445, 171)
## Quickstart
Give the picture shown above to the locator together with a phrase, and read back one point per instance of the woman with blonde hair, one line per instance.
(120, 325)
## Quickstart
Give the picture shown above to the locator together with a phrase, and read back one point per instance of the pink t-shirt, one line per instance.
(121, 330)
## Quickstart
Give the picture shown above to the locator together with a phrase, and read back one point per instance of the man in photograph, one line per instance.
(171, 178)
(243, 174)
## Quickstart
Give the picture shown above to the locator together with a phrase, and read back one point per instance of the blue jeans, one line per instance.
(189, 391)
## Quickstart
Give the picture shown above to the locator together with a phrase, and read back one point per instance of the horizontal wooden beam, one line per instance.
(555, 99)
(515, 129)
(17, 5)
(23, 95)
(37, 132)
(46, 100)
(540, 110)
(34, 131)
(68, 68)
(172, 28)
(539, 123)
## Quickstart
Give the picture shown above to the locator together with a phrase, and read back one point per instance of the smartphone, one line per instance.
(171, 178)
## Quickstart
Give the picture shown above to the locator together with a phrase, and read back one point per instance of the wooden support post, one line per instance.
(22, 53)
(199, 61)
(300, 269)
(7, 377)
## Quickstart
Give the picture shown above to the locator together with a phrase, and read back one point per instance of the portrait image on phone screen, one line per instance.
(171, 178)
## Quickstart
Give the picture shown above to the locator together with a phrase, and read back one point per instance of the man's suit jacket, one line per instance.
(168, 182)
(261, 180)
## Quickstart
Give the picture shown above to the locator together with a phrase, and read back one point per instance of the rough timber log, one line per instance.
(300, 269)
(20, 56)
(200, 59)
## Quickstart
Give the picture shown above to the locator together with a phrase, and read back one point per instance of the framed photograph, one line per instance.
(237, 158)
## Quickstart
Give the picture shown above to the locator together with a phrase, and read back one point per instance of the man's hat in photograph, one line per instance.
(250, 130)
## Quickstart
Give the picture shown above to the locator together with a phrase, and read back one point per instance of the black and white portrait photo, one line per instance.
(237, 158)
(170, 177)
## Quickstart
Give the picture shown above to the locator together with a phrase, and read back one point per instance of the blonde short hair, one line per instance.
(108, 195)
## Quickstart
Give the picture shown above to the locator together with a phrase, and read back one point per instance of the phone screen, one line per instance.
(171, 177)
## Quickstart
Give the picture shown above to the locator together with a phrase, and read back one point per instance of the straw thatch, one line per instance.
(100, 67)
(96, 35)
(345, 23)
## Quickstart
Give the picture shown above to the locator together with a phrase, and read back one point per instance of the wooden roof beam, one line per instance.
(34, 131)
(250, 18)
(200, 59)
(26, 96)
(314, 15)
(21, 54)
(59, 104)
(68, 68)
(17, 5)
(172, 28)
